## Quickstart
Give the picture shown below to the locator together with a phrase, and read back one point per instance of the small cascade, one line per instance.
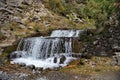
(42, 48)
(46, 52)
(66, 33)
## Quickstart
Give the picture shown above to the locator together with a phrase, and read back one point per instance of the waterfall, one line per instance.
(42, 48)
(46, 51)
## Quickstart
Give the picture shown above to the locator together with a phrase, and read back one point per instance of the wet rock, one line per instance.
(31, 67)
(76, 55)
(55, 60)
(62, 59)
(16, 54)
(22, 64)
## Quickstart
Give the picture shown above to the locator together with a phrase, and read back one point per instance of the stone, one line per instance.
(39, 68)
(21, 26)
(116, 59)
(15, 54)
(47, 23)
(76, 55)
(116, 48)
(62, 59)
(17, 19)
(86, 56)
(30, 27)
(77, 20)
(2, 61)
(31, 66)
(22, 64)
(55, 60)
(81, 63)
(4, 9)
(1, 50)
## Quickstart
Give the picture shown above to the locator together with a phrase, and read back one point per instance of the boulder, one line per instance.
(62, 59)
(16, 54)
(55, 60)
(31, 67)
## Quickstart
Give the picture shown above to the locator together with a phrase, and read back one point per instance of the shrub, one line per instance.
(56, 5)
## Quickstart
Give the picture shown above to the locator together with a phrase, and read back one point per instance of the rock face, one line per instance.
(107, 43)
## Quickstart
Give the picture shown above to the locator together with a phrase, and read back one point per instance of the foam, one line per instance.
(47, 63)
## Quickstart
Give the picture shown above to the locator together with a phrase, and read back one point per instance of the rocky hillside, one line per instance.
(21, 18)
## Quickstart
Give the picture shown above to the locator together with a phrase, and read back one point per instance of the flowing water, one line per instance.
(66, 33)
(46, 52)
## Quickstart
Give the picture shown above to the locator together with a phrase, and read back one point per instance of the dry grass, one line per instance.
(93, 66)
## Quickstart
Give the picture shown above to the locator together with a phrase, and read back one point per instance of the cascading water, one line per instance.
(66, 33)
(43, 51)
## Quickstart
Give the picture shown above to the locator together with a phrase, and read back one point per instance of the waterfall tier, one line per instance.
(66, 33)
(42, 48)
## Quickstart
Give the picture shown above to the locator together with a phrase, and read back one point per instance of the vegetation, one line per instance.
(99, 11)
(93, 66)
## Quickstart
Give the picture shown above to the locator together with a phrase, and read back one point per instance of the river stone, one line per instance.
(62, 59)
(31, 66)
(55, 60)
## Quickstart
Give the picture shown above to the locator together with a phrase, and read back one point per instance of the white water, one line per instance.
(47, 63)
(66, 33)
(41, 51)
(39, 47)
